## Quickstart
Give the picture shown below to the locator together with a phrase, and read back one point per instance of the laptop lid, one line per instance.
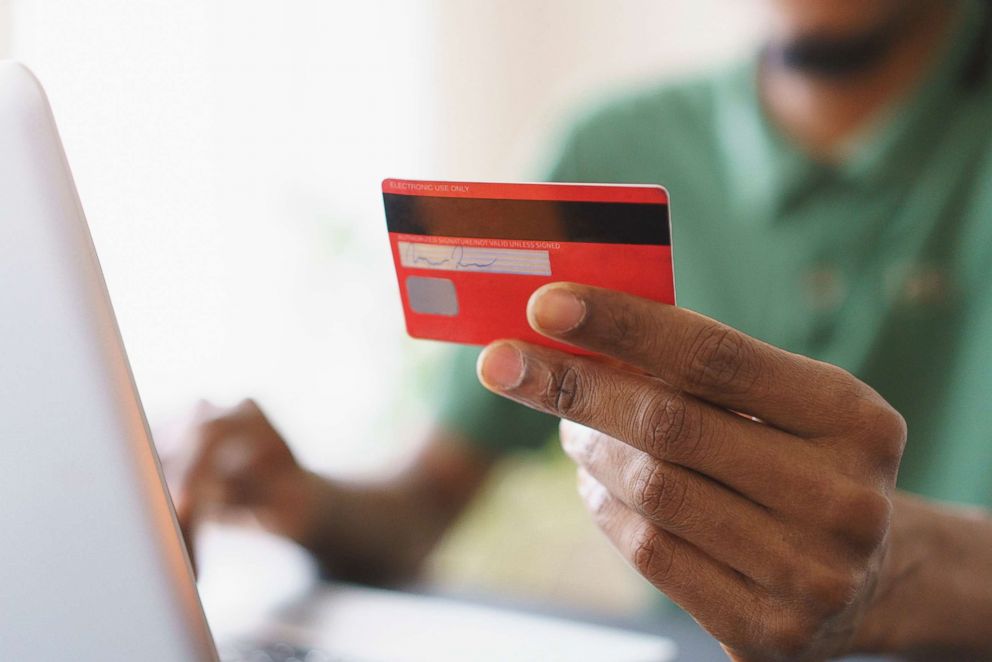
(92, 566)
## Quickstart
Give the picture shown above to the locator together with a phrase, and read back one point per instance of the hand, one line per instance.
(241, 465)
(769, 528)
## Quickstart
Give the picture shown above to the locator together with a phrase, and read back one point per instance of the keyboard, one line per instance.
(277, 651)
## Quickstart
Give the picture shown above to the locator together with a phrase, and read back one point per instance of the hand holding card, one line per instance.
(469, 255)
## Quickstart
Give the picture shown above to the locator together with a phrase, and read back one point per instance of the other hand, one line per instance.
(240, 465)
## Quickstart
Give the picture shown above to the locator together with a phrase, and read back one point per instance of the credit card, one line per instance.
(469, 255)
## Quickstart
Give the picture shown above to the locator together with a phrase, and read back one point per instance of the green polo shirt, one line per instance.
(880, 263)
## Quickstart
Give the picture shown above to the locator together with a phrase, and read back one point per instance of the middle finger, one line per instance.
(720, 522)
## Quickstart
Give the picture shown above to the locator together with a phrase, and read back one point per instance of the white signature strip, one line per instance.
(474, 258)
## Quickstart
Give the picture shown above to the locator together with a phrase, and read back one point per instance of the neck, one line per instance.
(821, 113)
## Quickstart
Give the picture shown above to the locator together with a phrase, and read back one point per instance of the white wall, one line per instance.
(510, 69)
(4, 28)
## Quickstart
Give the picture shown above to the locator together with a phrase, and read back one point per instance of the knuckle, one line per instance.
(895, 426)
(834, 502)
(248, 406)
(849, 401)
(796, 620)
(645, 551)
(648, 486)
(564, 390)
(889, 433)
(661, 495)
(862, 515)
(674, 428)
(875, 434)
(625, 329)
(719, 358)
(651, 558)
(849, 512)
(829, 592)
(210, 430)
(875, 422)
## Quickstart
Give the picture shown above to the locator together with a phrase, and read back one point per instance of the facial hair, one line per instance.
(837, 56)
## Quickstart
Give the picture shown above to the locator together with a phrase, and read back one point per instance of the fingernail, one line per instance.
(592, 491)
(556, 309)
(502, 366)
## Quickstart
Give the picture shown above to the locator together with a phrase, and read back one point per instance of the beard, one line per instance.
(836, 56)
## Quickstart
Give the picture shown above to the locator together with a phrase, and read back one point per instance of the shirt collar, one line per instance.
(900, 135)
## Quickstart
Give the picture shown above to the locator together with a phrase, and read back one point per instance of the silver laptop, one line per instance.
(92, 565)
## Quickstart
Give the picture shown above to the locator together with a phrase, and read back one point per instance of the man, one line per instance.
(833, 199)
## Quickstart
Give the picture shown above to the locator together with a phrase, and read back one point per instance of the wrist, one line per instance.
(931, 595)
(883, 627)
(294, 507)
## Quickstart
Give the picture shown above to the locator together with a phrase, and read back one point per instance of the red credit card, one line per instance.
(469, 255)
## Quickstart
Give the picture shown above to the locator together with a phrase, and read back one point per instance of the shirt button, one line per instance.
(916, 285)
(824, 288)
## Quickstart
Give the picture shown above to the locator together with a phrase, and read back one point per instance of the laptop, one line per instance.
(92, 563)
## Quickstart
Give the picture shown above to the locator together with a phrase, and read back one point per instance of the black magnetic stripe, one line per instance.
(534, 220)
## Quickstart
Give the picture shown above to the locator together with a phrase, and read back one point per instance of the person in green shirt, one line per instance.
(832, 221)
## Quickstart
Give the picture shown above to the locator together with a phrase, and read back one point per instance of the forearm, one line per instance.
(381, 531)
(377, 532)
(934, 598)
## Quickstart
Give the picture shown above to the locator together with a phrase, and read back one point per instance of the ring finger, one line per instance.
(718, 521)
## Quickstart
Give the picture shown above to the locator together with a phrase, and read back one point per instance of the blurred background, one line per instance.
(229, 154)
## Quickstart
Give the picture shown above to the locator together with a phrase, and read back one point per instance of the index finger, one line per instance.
(651, 416)
(703, 357)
